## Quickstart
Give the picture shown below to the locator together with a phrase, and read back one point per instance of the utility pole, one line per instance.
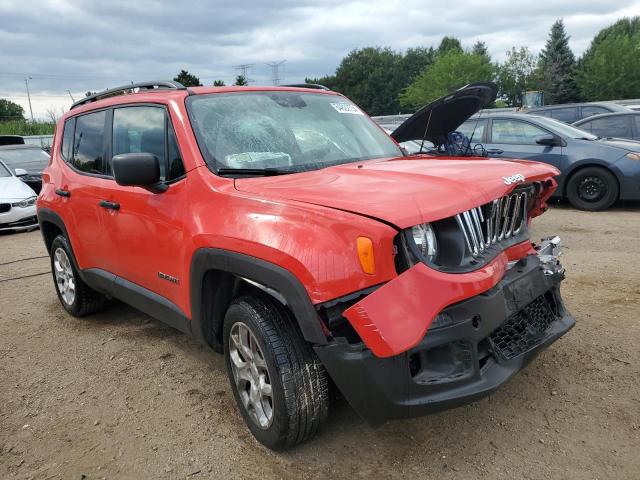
(244, 69)
(275, 71)
(26, 82)
(71, 96)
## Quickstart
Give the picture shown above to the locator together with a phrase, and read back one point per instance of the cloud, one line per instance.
(86, 45)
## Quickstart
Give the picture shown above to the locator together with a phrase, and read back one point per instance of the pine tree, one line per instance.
(241, 81)
(557, 64)
(218, 83)
(187, 79)
(480, 48)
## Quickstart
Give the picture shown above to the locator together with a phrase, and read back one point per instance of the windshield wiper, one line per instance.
(264, 172)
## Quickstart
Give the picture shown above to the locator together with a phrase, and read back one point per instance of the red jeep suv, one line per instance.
(283, 228)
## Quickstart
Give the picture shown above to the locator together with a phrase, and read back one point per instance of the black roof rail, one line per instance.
(112, 92)
(316, 86)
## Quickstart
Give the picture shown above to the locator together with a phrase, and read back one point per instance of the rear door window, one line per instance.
(88, 143)
(566, 114)
(589, 110)
(614, 126)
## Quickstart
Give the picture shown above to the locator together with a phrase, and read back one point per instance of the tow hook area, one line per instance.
(549, 252)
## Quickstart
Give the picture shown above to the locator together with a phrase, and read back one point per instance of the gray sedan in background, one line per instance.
(616, 125)
(595, 171)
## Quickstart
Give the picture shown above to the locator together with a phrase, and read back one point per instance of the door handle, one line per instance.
(109, 205)
(495, 151)
(63, 193)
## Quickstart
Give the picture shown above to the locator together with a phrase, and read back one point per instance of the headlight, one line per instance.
(633, 156)
(25, 203)
(424, 238)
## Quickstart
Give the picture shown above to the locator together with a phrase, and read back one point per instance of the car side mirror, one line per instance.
(21, 172)
(549, 140)
(138, 170)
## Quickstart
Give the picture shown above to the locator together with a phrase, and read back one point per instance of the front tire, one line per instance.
(76, 297)
(593, 189)
(279, 384)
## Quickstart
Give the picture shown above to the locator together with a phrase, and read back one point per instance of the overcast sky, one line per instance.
(91, 45)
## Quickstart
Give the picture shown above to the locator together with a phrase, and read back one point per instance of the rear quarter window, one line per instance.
(567, 115)
(67, 139)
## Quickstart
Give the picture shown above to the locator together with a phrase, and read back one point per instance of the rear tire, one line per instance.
(278, 382)
(593, 189)
(76, 297)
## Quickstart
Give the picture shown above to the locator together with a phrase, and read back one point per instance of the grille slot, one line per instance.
(523, 331)
(493, 222)
(5, 207)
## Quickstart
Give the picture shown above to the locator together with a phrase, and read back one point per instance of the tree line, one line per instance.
(384, 82)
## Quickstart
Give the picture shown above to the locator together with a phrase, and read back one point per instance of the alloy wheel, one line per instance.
(65, 281)
(251, 375)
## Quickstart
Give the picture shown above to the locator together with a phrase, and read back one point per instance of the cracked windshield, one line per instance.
(285, 131)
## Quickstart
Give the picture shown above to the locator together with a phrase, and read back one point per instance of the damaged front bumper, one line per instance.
(471, 348)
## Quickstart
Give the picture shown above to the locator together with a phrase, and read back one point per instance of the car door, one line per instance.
(513, 138)
(146, 227)
(83, 185)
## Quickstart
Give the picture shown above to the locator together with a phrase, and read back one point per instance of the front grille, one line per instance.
(5, 207)
(524, 330)
(493, 222)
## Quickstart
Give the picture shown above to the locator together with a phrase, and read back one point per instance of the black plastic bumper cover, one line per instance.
(381, 389)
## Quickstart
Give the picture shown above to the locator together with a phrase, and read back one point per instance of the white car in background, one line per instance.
(17, 201)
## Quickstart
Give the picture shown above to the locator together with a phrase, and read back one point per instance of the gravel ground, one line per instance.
(119, 395)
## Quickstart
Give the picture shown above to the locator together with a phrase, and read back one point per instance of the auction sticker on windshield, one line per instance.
(346, 108)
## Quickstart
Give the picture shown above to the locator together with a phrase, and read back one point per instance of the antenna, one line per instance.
(275, 71)
(244, 70)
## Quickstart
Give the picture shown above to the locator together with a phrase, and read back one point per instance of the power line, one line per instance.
(244, 69)
(275, 71)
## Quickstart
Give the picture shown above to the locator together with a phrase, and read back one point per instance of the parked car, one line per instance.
(285, 229)
(572, 112)
(595, 172)
(29, 158)
(612, 125)
(17, 202)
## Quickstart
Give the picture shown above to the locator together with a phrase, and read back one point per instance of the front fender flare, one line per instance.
(262, 272)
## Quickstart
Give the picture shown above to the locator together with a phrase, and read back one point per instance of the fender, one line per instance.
(265, 273)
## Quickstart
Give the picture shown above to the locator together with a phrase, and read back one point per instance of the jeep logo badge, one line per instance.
(517, 178)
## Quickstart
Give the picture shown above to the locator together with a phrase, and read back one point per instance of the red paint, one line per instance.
(396, 317)
(307, 223)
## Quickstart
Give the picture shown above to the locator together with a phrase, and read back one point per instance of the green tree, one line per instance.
(480, 48)
(447, 44)
(328, 81)
(241, 81)
(414, 61)
(372, 77)
(10, 111)
(516, 75)
(557, 64)
(218, 83)
(187, 79)
(608, 70)
(449, 72)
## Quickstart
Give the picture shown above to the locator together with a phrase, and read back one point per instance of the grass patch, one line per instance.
(17, 127)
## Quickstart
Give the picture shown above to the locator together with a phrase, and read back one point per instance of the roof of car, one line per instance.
(20, 147)
(603, 115)
(149, 91)
(616, 106)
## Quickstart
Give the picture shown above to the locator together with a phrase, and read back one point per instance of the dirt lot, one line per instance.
(119, 395)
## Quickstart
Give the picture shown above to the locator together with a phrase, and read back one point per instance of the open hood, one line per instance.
(443, 116)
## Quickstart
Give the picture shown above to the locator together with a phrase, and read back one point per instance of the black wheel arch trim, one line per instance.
(268, 274)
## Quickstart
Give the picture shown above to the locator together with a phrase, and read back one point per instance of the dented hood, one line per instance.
(402, 191)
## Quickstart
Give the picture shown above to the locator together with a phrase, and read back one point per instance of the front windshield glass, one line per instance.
(565, 130)
(33, 160)
(284, 130)
(4, 172)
